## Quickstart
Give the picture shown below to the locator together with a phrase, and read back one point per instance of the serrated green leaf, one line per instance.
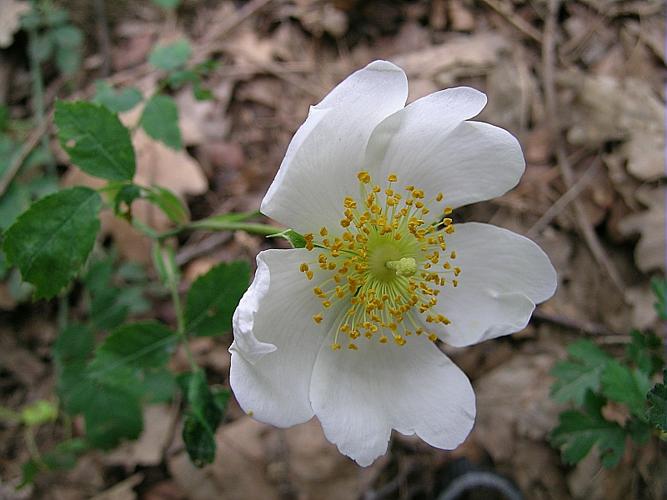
(75, 343)
(112, 415)
(116, 101)
(172, 206)
(213, 297)
(203, 415)
(171, 56)
(51, 241)
(623, 385)
(657, 401)
(578, 431)
(645, 351)
(580, 373)
(659, 287)
(137, 345)
(160, 120)
(95, 139)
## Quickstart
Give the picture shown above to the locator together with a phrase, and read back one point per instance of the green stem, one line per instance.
(248, 227)
(38, 93)
(31, 444)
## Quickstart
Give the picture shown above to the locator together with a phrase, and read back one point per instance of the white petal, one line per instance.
(503, 276)
(359, 396)
(428, 144)
(322, 160)
(276, 341)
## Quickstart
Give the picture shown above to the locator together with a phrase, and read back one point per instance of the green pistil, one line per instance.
(407, 266)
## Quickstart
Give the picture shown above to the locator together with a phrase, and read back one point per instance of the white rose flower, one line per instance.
(344, 329)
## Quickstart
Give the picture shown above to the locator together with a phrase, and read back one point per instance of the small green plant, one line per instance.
(592, 380)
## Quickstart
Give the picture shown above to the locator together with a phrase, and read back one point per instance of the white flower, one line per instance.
(343, 328)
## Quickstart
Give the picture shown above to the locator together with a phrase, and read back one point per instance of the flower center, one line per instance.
(385, 264)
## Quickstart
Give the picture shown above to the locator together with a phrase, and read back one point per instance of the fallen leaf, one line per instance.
(650, 225)
(10, 21)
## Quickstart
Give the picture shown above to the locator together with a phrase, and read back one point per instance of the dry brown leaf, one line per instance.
(513, 401)
(10, 20)
(650, 225)
(609, 109)
(147, 450)
(256, 460)
(462, 55)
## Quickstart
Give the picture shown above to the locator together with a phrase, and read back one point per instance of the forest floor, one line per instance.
(581, 87)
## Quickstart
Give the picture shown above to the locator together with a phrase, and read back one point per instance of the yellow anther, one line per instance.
(303, 267)
(309, 275)
(384, 339)
(448, 210)
(399, 340)
(392, 178)
(326, 304)
(317, 318)
(455, 283)
(364, 177)
(439, 197)
(432, 337)
(335, 346)
(324, 231)
(446, 221)
(352, 347)
(452, 254)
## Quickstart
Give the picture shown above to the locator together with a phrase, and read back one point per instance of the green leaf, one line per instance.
(204, 414)
(167, 4)
(580, 373)
(41, 47)
(111, 415)
(13, 203)
(623, 385)
(116, 101)
(657, 401)
(172, 56)
(51, 241)
(659, 287)
(160, 120)
(75, 343)
(295, 239)
(164, 260)
(578, 431)
(68, 61)
(68, 36)
(645, 351)
(96, 140)
(62, 457)
(138, 345)
(168, 202)
(214, 296)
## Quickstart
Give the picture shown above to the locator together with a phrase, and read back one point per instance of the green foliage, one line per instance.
(659, 287)
(62, 457)
(51, 35)
(214, 296)
(167, 4)
(160, 120)
(581, 373)
(95, 139)
(51, 241)
(657, 400)
(579, 431)
(645, 352)
(623, 385)
(109, 388)
(117, 101)
(38, 413)
(168, 202)
(591, 379)
(205, 409)
(172, 56)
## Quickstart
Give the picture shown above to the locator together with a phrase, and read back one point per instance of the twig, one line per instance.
(204, 247)
(569, 196)
(589, 327)
(18, 160)
(103, 36)
(506, 11)
(582, 220)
